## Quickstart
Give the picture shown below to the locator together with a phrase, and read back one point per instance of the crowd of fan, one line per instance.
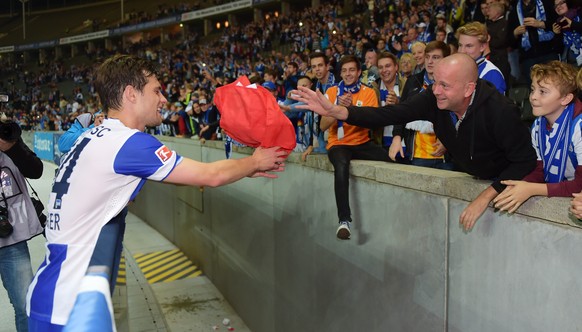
(191, 72)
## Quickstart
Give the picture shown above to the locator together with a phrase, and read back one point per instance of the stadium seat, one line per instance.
(520, 95)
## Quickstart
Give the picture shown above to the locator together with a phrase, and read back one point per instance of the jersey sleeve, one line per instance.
(142, 155)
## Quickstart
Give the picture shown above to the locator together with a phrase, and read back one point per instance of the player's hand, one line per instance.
(269, 160)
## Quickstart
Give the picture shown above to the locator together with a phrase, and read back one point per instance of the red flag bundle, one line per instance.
(250, 115)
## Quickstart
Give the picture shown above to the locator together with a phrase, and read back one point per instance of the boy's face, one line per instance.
(418, 54)
(304, 82)
(273, 92)
(471, 46)
(547, 100)
(431, 59)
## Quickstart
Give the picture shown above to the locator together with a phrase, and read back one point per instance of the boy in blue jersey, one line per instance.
(474, 41)
(556, 136)
(103, 171)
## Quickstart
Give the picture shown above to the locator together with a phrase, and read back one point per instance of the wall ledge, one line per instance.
(445, 183)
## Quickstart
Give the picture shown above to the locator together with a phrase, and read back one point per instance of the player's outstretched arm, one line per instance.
(218, 173)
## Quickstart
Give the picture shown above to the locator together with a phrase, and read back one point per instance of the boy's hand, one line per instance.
(513, 196)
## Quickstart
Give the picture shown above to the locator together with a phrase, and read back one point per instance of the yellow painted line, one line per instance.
(169, 272)
(144, 257)
(152, 272)
(164, 266)
(190, 272)
(160, 264)
(121, 277)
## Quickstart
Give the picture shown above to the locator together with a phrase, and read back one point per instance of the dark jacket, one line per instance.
(538, 48)
(498, 44)
(492, 142)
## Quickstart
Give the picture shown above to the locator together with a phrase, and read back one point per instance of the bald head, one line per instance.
(460, 67)
(455, 80)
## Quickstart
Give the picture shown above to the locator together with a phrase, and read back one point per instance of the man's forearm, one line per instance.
(339, 112)
(487, 195)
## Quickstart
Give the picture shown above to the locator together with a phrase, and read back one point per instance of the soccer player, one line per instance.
(103, 171)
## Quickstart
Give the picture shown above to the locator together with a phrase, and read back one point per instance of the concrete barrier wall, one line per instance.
(269, 246)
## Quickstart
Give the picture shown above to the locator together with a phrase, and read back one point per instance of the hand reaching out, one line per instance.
(269, 160)
(516, 193)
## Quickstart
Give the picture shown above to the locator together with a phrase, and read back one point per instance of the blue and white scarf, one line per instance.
(543, 35)
(573, 39)
(341, 89)
(330, 82)
(384, 93)
(553, 144)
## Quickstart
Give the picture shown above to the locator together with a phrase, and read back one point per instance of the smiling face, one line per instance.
(350, 73)
(406, 66)
(150, 101)
(546, 99)
(388, 70)
(451, 87)
(418, 53)
(561, 7)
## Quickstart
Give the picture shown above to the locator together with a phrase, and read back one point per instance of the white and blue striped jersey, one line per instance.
(489, 72)
(103, 171)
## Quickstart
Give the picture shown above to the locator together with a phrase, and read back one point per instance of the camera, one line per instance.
(10, 131)
(563, 23)
(5, 226)
(39, 208)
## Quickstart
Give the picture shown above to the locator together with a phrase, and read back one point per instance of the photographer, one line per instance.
(18, 218)
(81, 124)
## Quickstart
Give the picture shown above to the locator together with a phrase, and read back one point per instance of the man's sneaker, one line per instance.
(343, 231)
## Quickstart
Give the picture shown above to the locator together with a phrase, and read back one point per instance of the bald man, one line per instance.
(480, 127)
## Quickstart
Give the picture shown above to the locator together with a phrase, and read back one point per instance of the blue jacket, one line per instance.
(68, 139)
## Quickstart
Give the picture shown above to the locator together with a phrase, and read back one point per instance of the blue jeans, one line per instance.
(16, 274)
